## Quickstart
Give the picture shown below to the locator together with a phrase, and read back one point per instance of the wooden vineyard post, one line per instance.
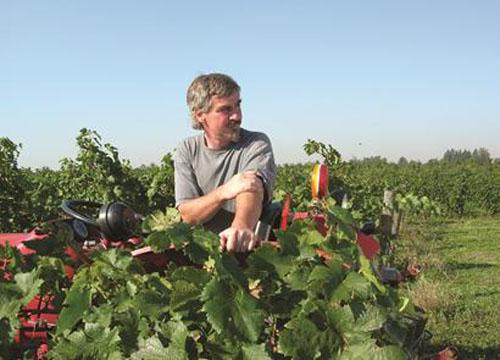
(390, 219)
(398, 221)
(387, 212)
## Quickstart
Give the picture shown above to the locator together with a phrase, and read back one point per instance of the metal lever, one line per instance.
(262, 231)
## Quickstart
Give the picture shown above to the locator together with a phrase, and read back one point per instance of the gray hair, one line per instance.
(201, 90)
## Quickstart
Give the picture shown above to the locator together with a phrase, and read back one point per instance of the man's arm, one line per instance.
(240, 236)
(201, 209)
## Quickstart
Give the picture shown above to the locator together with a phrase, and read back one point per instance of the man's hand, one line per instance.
(247, 181)
(238, 239)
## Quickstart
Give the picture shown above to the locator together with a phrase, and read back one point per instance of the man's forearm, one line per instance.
(202, 209)
(248, 209)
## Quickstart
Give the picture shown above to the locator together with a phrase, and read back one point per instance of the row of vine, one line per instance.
(29, 196)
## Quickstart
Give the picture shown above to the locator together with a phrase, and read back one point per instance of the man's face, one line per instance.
(222, 121)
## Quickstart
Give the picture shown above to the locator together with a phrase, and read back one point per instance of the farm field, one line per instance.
(460, 287)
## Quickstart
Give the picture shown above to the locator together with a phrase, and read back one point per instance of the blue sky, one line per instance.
(389, 78)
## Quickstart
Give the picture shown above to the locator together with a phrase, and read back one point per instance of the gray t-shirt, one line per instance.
(199, 170)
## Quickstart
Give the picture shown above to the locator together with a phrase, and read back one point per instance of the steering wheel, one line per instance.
(116, 220)
(68, 206)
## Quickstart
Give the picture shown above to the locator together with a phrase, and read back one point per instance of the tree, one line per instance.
(402, 161)
(481, 156)
(11, 187)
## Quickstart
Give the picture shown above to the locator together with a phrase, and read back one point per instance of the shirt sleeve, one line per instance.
(186, 184)
(259, 157)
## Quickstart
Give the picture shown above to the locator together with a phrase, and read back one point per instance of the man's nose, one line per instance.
(235, 116)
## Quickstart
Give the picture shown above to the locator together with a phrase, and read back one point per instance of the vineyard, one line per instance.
(307, 295)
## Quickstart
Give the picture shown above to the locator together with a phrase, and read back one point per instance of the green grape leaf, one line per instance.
(99, 316)
(297, 279)
(183, 292)
(51, 270)
(152, 348)
(373, 318)
(129, 323)
(228, 268)
(196, 253)
(191, 275)
(390, 352)
(342, 319)
(152, 297)
(70, 347)
(312, 237)
(115, 262)
(344, 220)
(325, 278)
(360, 350)
(151, 303)
(15, 295)
(341, 215)
(285, 301)
(10, 296)
(10, 303)
(232, 312)
(177, 235)
(367, 272)
(303, 339)
(298, 339)
(353, 286)
(206, 239)
(254, 352)
(29, 284)
(267, 259)
(77, 302)
(288, 240)
(94, 342)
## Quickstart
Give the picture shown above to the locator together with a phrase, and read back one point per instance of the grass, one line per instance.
(460, 285)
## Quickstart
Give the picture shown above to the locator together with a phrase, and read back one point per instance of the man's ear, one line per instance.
(200, 117)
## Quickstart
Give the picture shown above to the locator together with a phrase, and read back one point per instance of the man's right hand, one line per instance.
(238, 239)
(247, 181)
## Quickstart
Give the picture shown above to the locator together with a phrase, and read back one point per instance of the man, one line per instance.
(225, 175)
